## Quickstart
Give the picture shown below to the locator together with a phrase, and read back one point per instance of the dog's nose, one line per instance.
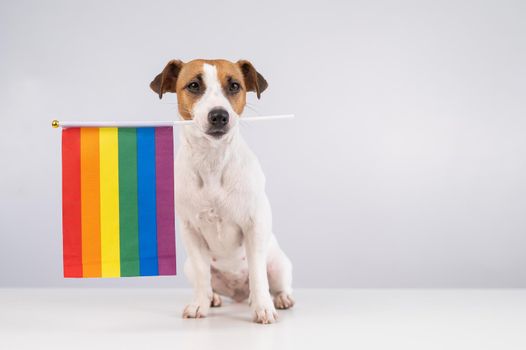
(218, 117)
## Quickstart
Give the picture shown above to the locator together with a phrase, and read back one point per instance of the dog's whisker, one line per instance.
(249, 106)
(255, 111)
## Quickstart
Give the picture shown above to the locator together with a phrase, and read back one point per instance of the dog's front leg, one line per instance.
(197, 270)
(257, 236)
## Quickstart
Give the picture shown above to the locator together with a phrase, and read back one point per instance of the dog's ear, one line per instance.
(167, 79)
(253, 80)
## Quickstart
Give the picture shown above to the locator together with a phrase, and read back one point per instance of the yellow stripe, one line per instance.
(109, 202)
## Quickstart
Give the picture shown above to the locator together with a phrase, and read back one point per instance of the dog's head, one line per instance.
(211, 92)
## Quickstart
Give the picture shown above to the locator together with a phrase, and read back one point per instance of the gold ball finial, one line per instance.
(54, 123)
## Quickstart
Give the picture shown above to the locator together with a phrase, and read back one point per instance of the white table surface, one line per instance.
(322, 319)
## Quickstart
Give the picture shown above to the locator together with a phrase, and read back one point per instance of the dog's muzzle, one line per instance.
(218, 122)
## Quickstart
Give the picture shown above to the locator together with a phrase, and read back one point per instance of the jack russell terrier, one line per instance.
(223, 210)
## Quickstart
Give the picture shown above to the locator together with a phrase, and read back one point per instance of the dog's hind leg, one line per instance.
(279, 270)
(216, 300)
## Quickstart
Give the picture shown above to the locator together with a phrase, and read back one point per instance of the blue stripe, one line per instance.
(146, 201)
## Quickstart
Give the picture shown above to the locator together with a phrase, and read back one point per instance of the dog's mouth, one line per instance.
(218, 133)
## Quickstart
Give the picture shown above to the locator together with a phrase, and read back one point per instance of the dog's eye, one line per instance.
(234, 87)
(193, 87)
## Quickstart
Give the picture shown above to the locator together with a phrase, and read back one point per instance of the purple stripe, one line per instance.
(164, 170)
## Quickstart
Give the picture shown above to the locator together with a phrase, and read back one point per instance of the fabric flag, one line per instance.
(118, 202)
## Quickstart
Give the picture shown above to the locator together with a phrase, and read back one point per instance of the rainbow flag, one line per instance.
(118, 202)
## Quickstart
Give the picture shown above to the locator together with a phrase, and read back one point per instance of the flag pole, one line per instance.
(137, 124)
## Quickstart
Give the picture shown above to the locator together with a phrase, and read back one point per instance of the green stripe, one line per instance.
(128, 210)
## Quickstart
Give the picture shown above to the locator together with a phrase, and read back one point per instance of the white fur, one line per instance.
(225, 216)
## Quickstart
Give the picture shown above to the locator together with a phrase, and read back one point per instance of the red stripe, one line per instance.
(71, 214)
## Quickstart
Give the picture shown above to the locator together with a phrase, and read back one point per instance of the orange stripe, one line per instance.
(90, 201)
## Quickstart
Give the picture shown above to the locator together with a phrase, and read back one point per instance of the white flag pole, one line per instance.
(138, 124)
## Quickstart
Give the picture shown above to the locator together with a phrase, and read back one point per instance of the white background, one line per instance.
(405, 166)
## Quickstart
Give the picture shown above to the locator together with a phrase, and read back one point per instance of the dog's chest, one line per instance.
(212, 197)
(211, 200)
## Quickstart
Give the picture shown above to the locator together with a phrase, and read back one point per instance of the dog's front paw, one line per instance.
(196, 309)
(264, 311)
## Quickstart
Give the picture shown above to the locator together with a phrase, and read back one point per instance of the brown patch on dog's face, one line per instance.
(232, 81)
(190, 87)
(186, 80)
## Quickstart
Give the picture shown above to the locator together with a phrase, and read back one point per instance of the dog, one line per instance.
(224, 213)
